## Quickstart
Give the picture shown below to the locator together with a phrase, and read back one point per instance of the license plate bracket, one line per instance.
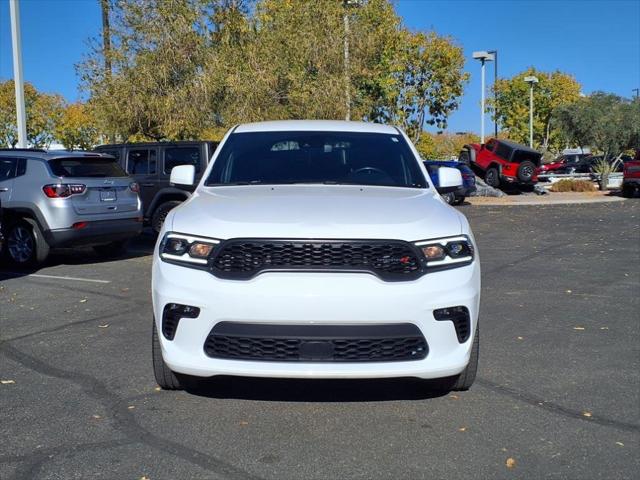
(108, 195)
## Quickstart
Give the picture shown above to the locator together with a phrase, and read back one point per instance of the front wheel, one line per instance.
(459, 200)
(468, 376)
(160, 214)
(449, 197)
(628, 191)
(25, 244)
(492, 177)
(165, 377)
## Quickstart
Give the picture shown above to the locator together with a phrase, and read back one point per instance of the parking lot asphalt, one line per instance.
(557, 394)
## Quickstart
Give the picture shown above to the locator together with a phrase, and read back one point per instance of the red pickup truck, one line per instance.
(503, 161)
(631, 176)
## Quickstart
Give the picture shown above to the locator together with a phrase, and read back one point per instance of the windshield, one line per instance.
(316, 157)
(86, 167)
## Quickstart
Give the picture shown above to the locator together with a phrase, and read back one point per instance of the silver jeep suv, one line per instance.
(65, 199)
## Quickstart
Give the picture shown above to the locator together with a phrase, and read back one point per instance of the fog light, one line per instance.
(460, 318)
(171, 316)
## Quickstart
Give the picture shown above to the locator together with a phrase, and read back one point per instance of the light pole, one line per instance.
(347, 76)
(531, 80)
(495, 93)
(17, 73)
(483, 57)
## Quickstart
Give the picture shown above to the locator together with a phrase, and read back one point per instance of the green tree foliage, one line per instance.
(76, 128)
(184, 67)
(605, 122)
(443, 146)
(42, 113)
(554, 90)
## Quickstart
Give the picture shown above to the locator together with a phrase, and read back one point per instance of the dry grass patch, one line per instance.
(567, 185)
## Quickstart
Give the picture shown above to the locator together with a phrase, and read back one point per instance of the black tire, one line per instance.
(526, 171)
(160, 213)
(492, 177)
(467, 377)
(628, 191)
(449, 197)
(459, 200)
(113, 249)
(166, 379)
(25, 245)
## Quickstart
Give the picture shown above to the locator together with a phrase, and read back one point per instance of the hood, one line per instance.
(316, 211)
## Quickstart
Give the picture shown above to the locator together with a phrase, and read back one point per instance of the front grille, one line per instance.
(245, 258)
(316, 343)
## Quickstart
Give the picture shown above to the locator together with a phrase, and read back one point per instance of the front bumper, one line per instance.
(95, 233)
(309, 298)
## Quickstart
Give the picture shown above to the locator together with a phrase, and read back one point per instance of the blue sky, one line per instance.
(596, 41)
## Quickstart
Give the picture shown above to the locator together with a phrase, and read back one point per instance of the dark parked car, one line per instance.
(468, 180)
(150, 165)
(560, 163)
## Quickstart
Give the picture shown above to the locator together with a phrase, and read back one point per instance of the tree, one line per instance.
(443, 146)
(427, 81)
(184, 67)
(554, 90)
(42, 113)
(76, 128)
(602, 121)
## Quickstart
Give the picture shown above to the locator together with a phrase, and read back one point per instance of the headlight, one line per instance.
(448, 252)
(187, 250)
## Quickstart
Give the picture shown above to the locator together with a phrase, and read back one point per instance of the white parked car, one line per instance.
(316, 249)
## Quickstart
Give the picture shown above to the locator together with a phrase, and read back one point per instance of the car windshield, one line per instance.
(86, 167)
(316, 157)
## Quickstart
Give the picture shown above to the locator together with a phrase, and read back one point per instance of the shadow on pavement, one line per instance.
(321, 391)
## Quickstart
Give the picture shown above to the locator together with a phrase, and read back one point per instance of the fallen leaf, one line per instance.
(125, 289)
(455, 397)
(103, 326)
(97, 417)
(510, 462)
(586, 414)
(604, 328)
(462, 429)
(157, 389)
(578, 328)
(620, 443)
(144, 477)
(243, 423)
(84, 300)
(7, 382)
(131, 407)
(569, 291)
(520, 338)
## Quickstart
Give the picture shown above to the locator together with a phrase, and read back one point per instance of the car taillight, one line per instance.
(63, 190)
(134, 187)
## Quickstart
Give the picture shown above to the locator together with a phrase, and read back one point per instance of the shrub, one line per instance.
(567, 185)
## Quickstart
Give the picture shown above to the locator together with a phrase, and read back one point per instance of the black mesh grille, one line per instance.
(316, 343)
(245, 258)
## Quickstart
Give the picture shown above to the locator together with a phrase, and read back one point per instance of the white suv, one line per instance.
(316, 249)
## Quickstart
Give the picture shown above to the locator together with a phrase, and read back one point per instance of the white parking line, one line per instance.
(55, 277)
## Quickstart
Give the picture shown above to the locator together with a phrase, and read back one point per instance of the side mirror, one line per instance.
(449, 179)
(183, 176)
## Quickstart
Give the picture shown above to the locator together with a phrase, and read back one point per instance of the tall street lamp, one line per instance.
(483, 56)
(531, 80)
(495, 93)
(18, 80)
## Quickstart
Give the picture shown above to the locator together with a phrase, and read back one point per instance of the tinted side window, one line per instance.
(141, 162)
(489, 146)
(174, 156)
(113, 153)
(21, 168)
(7, 168)
(503, 151)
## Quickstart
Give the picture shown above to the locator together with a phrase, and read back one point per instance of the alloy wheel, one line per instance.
(20, 244)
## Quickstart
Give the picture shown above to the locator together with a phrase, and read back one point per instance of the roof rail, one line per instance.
(23, 150)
